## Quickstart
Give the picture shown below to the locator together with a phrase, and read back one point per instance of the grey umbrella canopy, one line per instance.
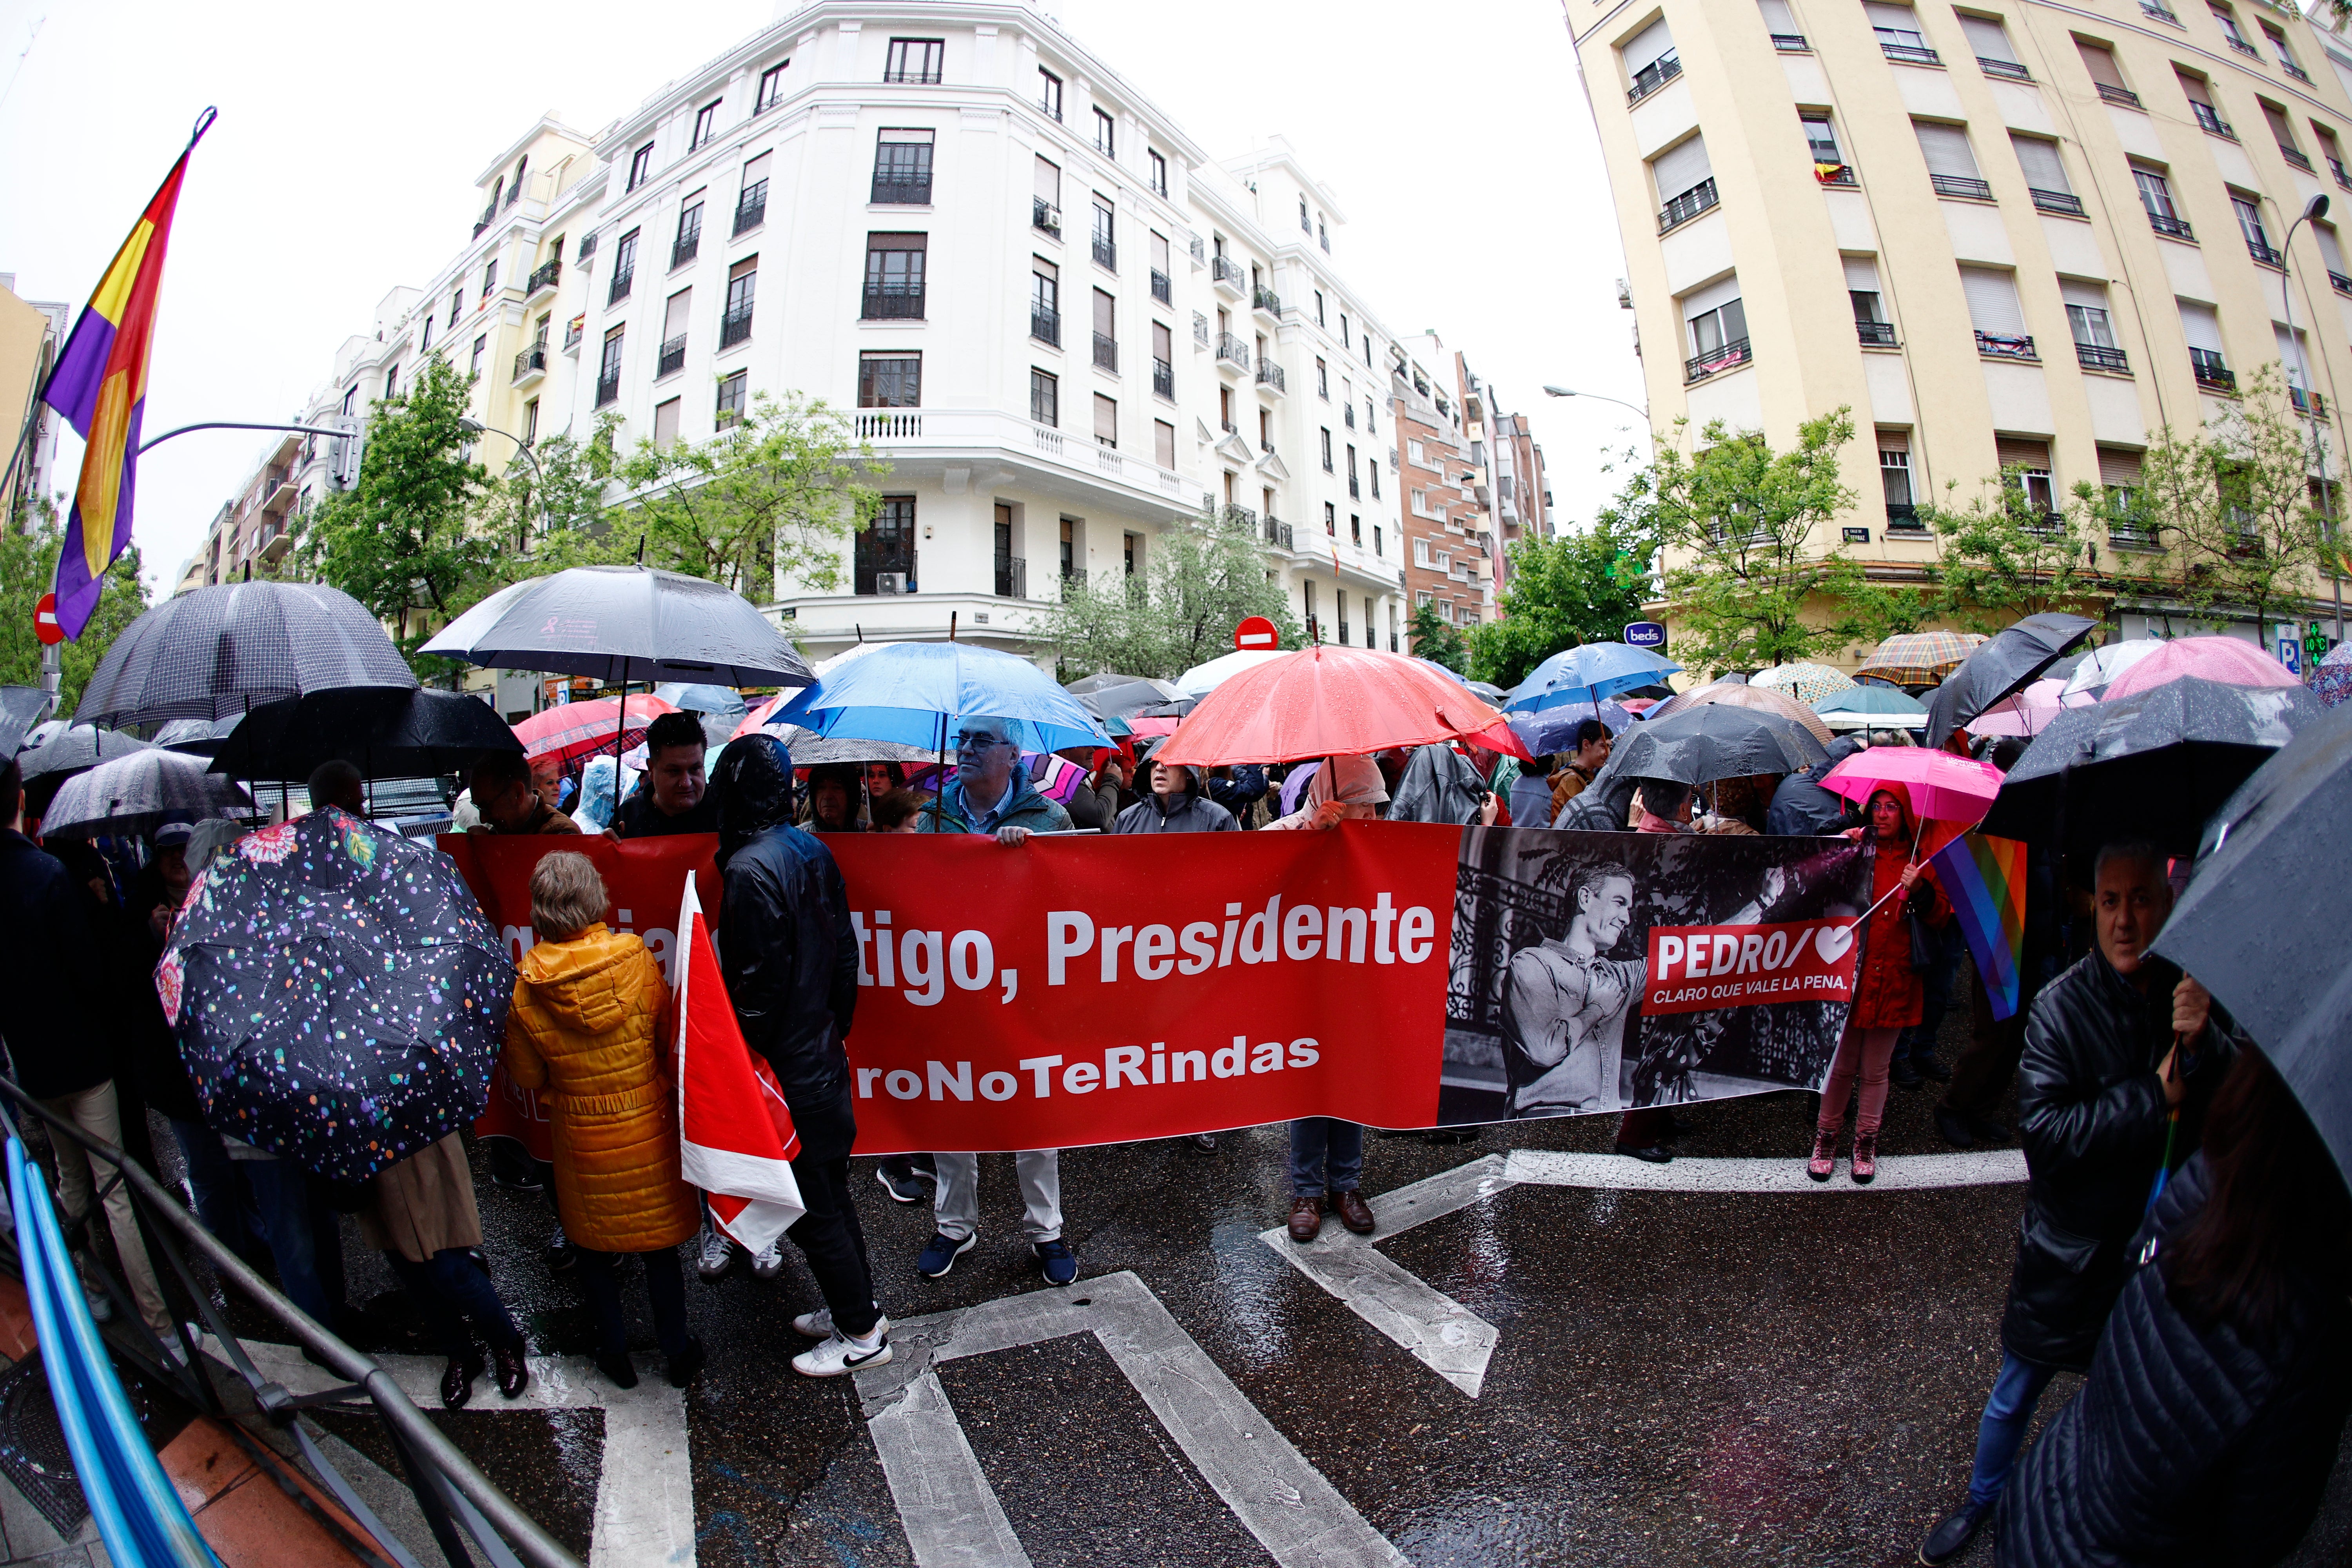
(138, 793)
(58, 748)
(625, 624)
(197, 737)
(21, 708)
(386, 733)
(2278, 856)
(2012, 662)
(1124, 696)
(218, 651)
(1701, 745)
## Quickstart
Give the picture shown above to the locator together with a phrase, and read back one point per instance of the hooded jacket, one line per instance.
(786, 948)
(581, 1032)
(1023, 807)
(1438, 785)
(2092, 1116)
(1193, 814)
(1352, 781)
(1802, 808)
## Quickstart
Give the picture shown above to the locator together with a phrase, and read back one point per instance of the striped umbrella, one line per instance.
(578, 728)
(1808, 683)
(1920, 658)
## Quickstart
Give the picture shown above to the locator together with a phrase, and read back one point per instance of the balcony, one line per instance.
(893, 302)
(1227, 276)
(751, 207)
(1269, 375)
(2243, 47)
(2174, 227)
(1354, 493)
(2294, 70)
(1106, 253)
(1106, 353)
(1792, 44)
(530, 365)
(1902, 517)
(1044, 214)
(276, 543)
(608, 388)
(2000, 345)
(2093, 356)
(2264, 254)
(672, 358)
(2009, 69)
(1651, 77)
(1347, 414)
(1200, 251)
(688, 247)
(1200, 331)
(572, 333)
(2131, 533)
(1163, 379)
(1962, 186)
(2297, 158)
(1045, 324)
(902, 190)
(2311, 405)
(2341, 284)
(1267, 299)
(1240, 517)
(483, 223)
(736, 324)
(1876, 335)
(1687, 205)
(2210, 120)
(1163, 288)
(2060, 202)
(2123, 96)
(2160, 11)
(1012, 577)
(1834, 174)
(1279, 534)
(2343, 176)
(1730, 356)
(1232, 351)
(2212, 373)
(622, 282)
(543, 279)
(1909, 54)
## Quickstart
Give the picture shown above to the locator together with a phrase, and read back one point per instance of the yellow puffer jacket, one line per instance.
(582, 1032)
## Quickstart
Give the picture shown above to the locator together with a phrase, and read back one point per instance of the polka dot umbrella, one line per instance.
(338, 995)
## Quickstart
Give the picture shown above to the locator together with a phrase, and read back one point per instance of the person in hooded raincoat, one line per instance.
(1179, 803)
(1802, 808)
(1440, 785)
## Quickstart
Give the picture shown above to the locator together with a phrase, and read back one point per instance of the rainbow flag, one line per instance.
(1985, 879)
(99, 385)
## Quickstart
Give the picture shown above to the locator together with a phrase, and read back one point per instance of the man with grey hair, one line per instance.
(991, 792)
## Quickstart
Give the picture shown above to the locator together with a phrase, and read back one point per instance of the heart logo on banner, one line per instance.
(1831, 942)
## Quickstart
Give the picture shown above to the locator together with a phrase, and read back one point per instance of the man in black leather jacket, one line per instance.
(2113, 1046)
(789, 957)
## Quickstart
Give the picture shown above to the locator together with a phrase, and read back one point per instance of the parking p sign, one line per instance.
(2291, 655)
(1645, 634)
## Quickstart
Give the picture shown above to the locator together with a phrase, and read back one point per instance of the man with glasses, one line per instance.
(991, 792)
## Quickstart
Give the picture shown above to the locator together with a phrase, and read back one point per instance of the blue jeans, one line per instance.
(281, 1193)
(223, 1203)
(448, 1288)
(2001, 1433)
(1327, 1155)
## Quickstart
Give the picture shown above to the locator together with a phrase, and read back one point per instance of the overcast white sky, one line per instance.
(1455, 137)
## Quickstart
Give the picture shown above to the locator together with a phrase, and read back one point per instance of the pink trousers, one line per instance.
(1868, 1053)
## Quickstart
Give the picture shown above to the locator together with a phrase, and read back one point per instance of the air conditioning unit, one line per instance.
(889, 582)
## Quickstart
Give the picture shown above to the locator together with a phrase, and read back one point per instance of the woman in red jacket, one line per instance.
(1888, 993)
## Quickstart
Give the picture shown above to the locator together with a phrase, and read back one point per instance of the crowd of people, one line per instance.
(2210, 1320)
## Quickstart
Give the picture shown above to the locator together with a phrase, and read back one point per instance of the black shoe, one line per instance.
(457, 1380)
(1953, 1532)
(1929, 1066)
(513, 1370)
(898, 1179)
(617, 1366)
(1903, 1075)
(1655, 1153)
(1202, 1142)
(561, 1256)
(1954, 1127)
(686, 1365)
(1987, 1130)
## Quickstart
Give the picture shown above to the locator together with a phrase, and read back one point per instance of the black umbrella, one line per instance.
(218, 651)
(197, 737)
(2154, 765)
(1123, 696)
(625, 624)
(62, 749)
(339, 997)
(386, 733)
(21, 708)
(2012, 662)
(1715, 741)
(2253, 927)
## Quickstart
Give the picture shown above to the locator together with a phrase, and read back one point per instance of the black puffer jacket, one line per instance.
(2189, 1445)
(2092, 1117)
(52, 974)
(786, 948)
(1802, 808)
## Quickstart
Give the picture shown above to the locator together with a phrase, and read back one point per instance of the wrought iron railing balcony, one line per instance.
(2341, 284)
(2210, 371)
(2264, 254)
(1270, 375)
(1267, 299)
(1106, 253)
(736, 324)
(2343, 176)
(2009, 69)
(2160, 12)
(573, 333)
(894, 302)
(688, 247)
(2243, 47)
(544, 277)
(2113, 94)
(2210, 119)
(1045, 323)
(533, 361)
(1909, 54)
(1792, 44)
(1876, 335)
(1012, 577)
(2057, 202)
(672, 359)
(2312, 403)
(1834, 174)
(2168, 224)
(1962, 186)
(1687, 205)
(1163, 379)
(608, 389)
(1651, 77)
(1903, 517)
(1232, 351)
(1279, 533)
(2297, 158)
(1225, 270)
(900, 190)
(1728, 357)
(1163, 288)
(2294, 70)
(1106, 352)
(751, 207)
(2095, 356)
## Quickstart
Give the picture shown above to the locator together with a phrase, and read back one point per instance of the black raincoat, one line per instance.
(51, 974)
(1802, 808)
(786, 948)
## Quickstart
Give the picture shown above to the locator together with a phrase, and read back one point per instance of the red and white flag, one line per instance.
(736, 1131)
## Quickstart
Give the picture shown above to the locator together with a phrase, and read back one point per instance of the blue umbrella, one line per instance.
(722, 700)
(1588, 673)
(915, 694)
(1555, 731)
(1872, 708)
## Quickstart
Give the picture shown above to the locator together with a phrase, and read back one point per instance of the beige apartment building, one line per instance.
(2011, 234)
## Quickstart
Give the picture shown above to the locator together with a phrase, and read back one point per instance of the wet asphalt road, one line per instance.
(1681, 1377)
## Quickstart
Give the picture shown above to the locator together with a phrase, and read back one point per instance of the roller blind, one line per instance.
(2201, 326)
(2195, 88)
(2118, 467)
(756, 170)
(1894, 440)
(2014, 452)
(1680, 168)
(1987, 39)
(1892, 18)
(1992, 302)
(1049, 183)
(1646, 47)
(2290, 352)
(1708, 297)
(1946, 150)
(2089, 296)
(2329, 249)
(2045, 169)
(1106, 419)
(2101, 63)
(674, 316)
(1778, 17)
(1861, 273)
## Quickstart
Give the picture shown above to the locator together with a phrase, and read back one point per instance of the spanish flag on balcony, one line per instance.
(99, 385)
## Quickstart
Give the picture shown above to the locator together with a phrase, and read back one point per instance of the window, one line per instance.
(1343, 329)
(689, 232)
(1131, 550)
(2119, 479)
(1377, 548)
(1106, 331)
(456, 305)
(894, 276)
(1420, 548)
(1319, 309)
(705, 125)
(1351, 470)
(2100, 61)
(1951, 166)
(427, 342)
(2290, 352)
(1416, 454)
(2333, 254)
(2045, 174)
(1994, 310)
(1322, 381)
(480, 344)
(666, 422)
(1898, 33)
(1047, 204)
(902, 168)
(1327, 453)
(392, 376)
(1049, 92)
(1650, 60)
(1163, 360)
(1226, 408)
(2026, 464)
(1158, 167)
(489, 280)
(2207, 358)
(1106, 136)
(1323, 233)
(1820, 140)
(1895, 478)
(1686, 181)
(1990, 42)
(1355, 529)
(752, 200)
(1375, 469)
(2200, 106)
(641, 165)
(772, 88)
(730, 408)
(672, 338)
(887, 545)
(2091, 326)
(2282, 133)
(1369, 424)
(1106, 234)
(2287, 60)
(743, 279)
(1045, 300)
(608, 368)
(1045, 398)
(1718, 325)
(888, 379)
(2229, 34)
(915, 60)
(1163, 443)
(1070, 547)
(1861, 288)
(624, 267)
(2250, 224)
(2155, 196)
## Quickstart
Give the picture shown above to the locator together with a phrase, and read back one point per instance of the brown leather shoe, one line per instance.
(1305, 1219)
(1354, 1212)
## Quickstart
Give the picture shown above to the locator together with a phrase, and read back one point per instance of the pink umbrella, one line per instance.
(1941, 786)
(1145, 727)
(2226, 659)
(2026, 712)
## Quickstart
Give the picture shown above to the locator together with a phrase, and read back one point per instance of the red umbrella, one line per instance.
(583, 728)
(1334, 701)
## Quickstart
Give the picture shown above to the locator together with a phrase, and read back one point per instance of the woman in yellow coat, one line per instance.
(582, 1032)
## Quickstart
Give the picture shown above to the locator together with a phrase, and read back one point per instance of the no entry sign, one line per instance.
(45, 621)
(1255, 635)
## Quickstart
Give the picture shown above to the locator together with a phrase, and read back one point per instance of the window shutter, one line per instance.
(2201, 326)
(1646, 47)
(2118, 467)
(2045, 169)
(1895, 441)
(1894, 18)
(2013, 452)
(2100, 64)
(1778, 17)
(1861, 274)
(674, 318)
(1946, 150)
(2195, 88)
(756, 170)
(2279, 127)
(2329, 249)
(1106, 418)
(1681, 168)
(1710, 297)
(1992, 302)
(2089, 296)
(1987, 39)
(2289, 351)
(1049, 183)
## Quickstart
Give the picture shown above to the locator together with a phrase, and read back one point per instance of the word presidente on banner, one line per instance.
(1122, 1066)
(921, 963)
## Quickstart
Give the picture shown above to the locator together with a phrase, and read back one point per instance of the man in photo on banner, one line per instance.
(1565, 1005)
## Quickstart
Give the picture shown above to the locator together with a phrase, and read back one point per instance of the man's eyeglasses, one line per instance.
(973, 740)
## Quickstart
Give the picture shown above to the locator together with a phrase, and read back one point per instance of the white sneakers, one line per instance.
(818, 1325)
(718, 1253)
(836, 1356)
(771, 1260)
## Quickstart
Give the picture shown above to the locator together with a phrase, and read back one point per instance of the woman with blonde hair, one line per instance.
(582, 1033)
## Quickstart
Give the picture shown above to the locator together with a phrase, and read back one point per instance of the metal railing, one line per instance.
(1163, 379)
(1910, 54)
(1163, 288)
(2243, 47)
(1876, 335)
(1106, 352)
(1834, 174)
(1651, 77)
(1264, 298)
(894, 301)
(1962, 186)
(2314, 404)
(2057, 202)
(736, 325)
(2341, 284)
(1730, 356)
(1279, 533)
(1200, 330)
(2093, 356)
(2264, 254)
(1792, 44)
(573, 333)
(461, 1507)
(2166, 223)
(1044, 214)
(751, 206)
(1012, 577)
(1270, 375)
(1106, 253)
(1687, 205)
(2160, 12)
(1223, 270)
(2209, 119)
(622, 283)
(608, 389)
(2206, 366)
(2343, 176)
(544, 277)
(2004, 345)
(2294, 70)
(2297, 158)
(1045, 323)
(688, 244)
(672, 358)
(2131, 535)
(2113, 94)
(1902, 517)
(900, 190)
(1232, 351)
(533, 361)
(2009, 69)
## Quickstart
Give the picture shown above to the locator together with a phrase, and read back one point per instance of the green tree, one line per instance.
(1581, 587)
(1430, 635)
(2004, 557)
(1202, 579)
(29, 560)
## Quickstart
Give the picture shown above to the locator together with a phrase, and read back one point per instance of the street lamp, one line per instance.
(475, 427)
(1564, 391)
(2313, 210)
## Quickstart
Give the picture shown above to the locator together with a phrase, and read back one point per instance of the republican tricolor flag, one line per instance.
(99, 385)
(736, 1137)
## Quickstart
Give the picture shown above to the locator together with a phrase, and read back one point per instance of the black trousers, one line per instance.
(829, 1237)
(665, 1284)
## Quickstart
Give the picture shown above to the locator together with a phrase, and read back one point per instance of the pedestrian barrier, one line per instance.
(138, 1515)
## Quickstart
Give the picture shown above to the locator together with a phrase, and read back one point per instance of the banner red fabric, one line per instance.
(736, 1129)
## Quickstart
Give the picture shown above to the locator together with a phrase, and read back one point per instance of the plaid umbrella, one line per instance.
(1808, 683)
(218, 651)
(581, 729)
(1755, 698)
(1921, 658)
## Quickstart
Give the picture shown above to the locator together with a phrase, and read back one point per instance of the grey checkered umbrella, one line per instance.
(21, 708)
(224, 651)
(138, 793)
(58, 747)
